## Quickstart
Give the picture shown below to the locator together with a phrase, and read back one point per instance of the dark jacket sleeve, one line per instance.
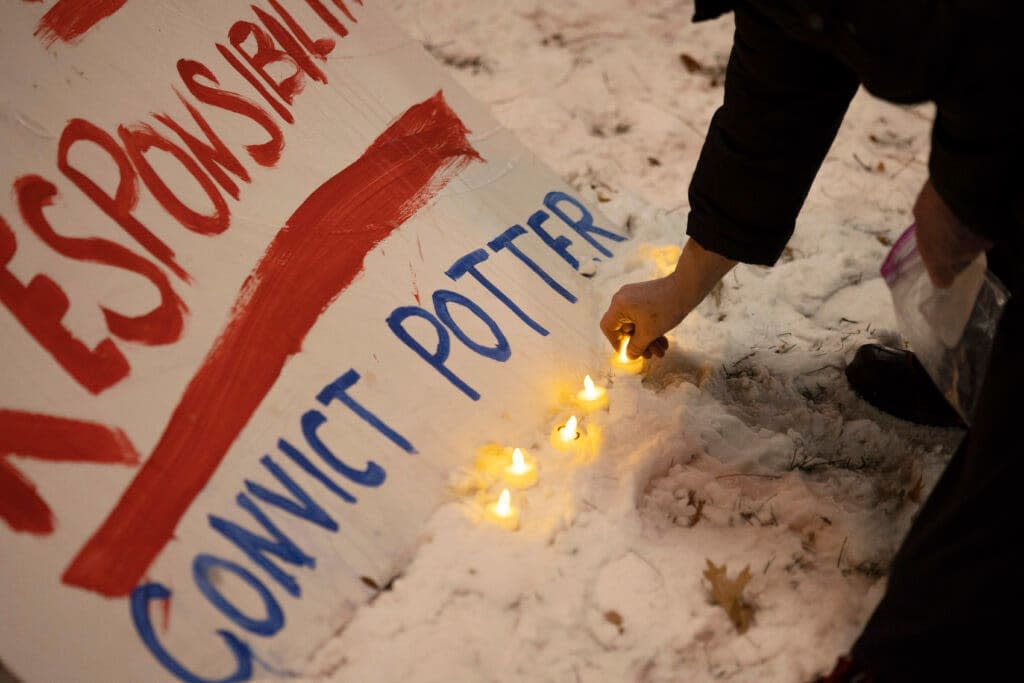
(978, 134)
(784, 101)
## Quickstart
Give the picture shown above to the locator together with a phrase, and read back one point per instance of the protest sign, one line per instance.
(267, 275)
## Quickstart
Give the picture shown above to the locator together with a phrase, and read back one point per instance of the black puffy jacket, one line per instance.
(794, 67)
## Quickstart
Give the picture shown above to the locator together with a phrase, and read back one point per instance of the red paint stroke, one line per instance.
(237, 65)
(138, 139)
(40, 307)
(120, 205)
(56, 439)
(214, 155)
(266, 55)
(291, 45)
(319, 48)
(68, 20)
(265, 153)
(161, 325)
(340, 4)
(165, 609)
(328, 18)
(415, 287)
(315, 256)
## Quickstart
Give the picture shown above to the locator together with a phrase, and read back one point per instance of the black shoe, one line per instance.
(895, 382)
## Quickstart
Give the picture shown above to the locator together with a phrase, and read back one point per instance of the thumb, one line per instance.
(638, 342)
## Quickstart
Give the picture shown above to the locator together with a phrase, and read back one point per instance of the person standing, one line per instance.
(794, 67)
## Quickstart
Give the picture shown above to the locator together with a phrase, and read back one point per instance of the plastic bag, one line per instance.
(950, 330)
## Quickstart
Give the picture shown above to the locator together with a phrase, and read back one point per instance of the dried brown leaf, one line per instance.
(691, 64)
(615, 619)
(698, 512)
(728, 594)
(698, 506)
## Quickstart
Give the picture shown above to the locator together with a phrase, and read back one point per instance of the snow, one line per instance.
(743, 446)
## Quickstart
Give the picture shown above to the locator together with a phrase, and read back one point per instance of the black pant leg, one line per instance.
(952, 585)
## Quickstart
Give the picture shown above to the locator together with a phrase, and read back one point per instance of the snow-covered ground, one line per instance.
(743, 446)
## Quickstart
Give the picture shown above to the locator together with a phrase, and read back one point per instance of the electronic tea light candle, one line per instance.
(521, 473)
(566, 436)
(623, 363)
(503, 513)
(591, 396)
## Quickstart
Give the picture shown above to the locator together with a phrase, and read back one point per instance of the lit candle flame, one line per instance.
(503, 508)
(518, 462)
(623, 356)
(623, 362)
(592, 397)
(568, 432)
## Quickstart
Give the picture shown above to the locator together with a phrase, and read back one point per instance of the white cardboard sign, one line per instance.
(266, 276)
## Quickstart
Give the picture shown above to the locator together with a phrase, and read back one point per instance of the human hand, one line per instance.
(644, 311)
(945, 243)
(647, 310)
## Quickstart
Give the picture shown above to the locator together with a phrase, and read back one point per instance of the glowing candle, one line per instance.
(503, 513)
(567, 432)
(591, 397)
(521, 474)
(623, 363)
(566, 436)
(665, 258)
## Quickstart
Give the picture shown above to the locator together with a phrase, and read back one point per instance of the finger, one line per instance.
(637, 347)
(659, 346)
(616, 324)
(655, 349)
(611, 326)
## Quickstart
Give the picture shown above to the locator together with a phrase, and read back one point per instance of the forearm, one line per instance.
(697, 272)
